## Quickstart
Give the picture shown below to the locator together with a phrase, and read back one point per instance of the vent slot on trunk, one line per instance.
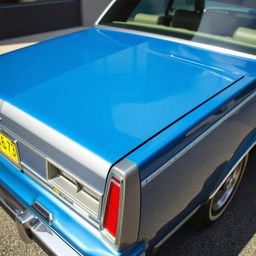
(71, 189)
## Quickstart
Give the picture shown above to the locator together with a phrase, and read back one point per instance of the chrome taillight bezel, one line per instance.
(129, 210)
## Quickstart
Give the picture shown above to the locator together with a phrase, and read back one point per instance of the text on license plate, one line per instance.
(9, 148)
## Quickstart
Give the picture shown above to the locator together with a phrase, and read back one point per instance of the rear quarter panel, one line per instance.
(179, 174)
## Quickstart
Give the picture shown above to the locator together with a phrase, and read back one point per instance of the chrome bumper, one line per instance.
(31, 228)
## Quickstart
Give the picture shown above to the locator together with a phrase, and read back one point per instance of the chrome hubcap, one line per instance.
(227, 189)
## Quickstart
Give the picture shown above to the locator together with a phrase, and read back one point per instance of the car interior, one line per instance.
(235, 26)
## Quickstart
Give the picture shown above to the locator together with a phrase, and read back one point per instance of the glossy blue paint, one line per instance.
(84, 237)
(161, 148)
(111, 91)
(187, 183)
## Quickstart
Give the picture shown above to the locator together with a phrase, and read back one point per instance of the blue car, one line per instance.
(111, 138)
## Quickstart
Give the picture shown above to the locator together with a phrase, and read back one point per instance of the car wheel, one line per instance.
(214, 208)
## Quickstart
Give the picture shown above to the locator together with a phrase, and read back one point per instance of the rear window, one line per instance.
(228, 23)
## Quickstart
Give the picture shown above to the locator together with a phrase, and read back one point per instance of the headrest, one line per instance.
(148, 18)
(245, 35)
(186, 19)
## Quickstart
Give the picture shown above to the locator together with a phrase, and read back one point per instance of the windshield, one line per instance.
(228, 23)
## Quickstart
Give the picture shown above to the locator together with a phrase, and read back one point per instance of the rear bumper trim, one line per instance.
(30, 227)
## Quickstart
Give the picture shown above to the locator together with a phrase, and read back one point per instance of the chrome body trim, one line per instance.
(129, 210)
(57, 140)
(93, 191)
(85, 214)
(93, 195)
(174, 230)
(30, 227)
(183, 41)
(47, 185)
(105, 11)
(36, 151)
(42, 179)
(43, 212)
(31, 173)
(211, 196)
(1, 104)
(196, 141)
(24, 221)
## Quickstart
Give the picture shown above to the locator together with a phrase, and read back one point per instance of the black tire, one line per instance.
(214, 208)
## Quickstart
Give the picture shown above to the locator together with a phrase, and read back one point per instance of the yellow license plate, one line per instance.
(9, 148)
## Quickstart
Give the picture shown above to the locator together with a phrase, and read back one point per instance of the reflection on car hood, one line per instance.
(111, 91)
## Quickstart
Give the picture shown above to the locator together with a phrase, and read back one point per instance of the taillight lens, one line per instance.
(112, 207)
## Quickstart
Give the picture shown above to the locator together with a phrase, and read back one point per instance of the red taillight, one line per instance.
(112, 207)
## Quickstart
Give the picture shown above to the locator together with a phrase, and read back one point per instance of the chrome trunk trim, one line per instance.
(52, 138)
(43, 181)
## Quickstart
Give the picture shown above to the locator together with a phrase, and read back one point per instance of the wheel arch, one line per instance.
(243, 150)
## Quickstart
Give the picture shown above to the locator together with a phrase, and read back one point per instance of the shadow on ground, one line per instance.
(227, 237)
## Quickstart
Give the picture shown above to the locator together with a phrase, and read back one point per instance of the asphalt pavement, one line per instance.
(234, 234)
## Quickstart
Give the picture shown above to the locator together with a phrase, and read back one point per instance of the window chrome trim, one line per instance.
(195, 142)
(213, 48)
(105, 11)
